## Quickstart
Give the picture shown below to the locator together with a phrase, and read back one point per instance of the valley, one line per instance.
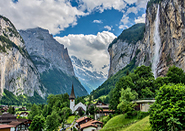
(142, 90)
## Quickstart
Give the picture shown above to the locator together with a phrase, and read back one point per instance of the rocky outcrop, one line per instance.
(171, 47)
(46, 52)
(124, 48)
(17, 72)
(52, 61)
(171, 32)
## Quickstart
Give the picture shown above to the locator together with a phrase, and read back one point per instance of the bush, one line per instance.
(167, 113)
(141, 115)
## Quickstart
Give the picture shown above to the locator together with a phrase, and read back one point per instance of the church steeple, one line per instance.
(72, 96)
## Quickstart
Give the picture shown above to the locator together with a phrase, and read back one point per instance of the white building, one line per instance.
(74, 107)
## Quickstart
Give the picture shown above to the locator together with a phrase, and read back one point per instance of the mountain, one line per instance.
(87, 75)
(160, 43)
(52, 61)
(18, 74)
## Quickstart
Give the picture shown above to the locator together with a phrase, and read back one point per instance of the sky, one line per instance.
(85, 27)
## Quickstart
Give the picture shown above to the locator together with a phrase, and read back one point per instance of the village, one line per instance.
(18, 121)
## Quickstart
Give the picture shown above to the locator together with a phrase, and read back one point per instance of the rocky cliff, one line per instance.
(52, 61)
(163, 43)
(17, 72)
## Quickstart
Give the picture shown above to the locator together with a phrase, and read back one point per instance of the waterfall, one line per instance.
(157, 42)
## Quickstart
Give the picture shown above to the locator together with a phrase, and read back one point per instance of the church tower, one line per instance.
(72, 100)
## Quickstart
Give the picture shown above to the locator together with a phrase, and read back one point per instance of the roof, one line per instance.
(90, 123)
(22, 120)
(103, 106)
(5, 115)
(82, 118)
(144, 101)
(6, 126)
(15, 123)
(72, 96)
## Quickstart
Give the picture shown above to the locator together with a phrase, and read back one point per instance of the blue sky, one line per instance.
(85, 27)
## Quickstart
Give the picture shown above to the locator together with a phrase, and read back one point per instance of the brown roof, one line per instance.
(5, 115)
(82, 118)
(6, 126)
(88, 124)
(15, 123)
(72, 96)
(22, 120)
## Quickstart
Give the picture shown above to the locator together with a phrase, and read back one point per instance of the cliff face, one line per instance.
(171, 21)
(17, 72)
(124, 48)
(52, 62)
(163, 43)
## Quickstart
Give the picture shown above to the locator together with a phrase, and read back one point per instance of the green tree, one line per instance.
(52, 122)
(11, 110)
(176, 75)
(38, 123)
(34, 112)
(167, 113)
(126, 98)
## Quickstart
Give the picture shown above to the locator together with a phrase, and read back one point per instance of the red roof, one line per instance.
(81, 119)
(6, 126)
(15, 123)
(90, 123)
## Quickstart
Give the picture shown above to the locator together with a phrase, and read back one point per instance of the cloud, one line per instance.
(140, 19)
(89, 47)
(55, 15)
(101, 5)
(109, 28)
(97, 21)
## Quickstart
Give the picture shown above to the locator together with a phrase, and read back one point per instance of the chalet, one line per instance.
(103, 112)
(74, 107)
(6, 127)
(88, 124)
(6, 118)
(24, 114)
(19, 126)
(143, 105)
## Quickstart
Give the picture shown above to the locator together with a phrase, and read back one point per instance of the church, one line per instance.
(74, 107)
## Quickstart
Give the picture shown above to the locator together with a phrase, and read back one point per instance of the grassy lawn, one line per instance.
(118, 122)
(142, 125)
(70, 119)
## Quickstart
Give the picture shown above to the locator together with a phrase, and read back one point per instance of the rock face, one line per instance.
(123, 49)
(52, 62)
(170, 28)
(88, 76)
(17, 72)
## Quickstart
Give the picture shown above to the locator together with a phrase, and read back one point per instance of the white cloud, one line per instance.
(123, 26)
(54, 15)
(102, 5)
(109, 28)
(140, 19)
(97, 21)
(89, 47)
(125, 19)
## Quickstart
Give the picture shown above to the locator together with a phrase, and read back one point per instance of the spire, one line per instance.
(72, 96)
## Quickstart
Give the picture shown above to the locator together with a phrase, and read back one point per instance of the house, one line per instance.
(19, 126)
(74, 107)
(88, 124)
(103, 112)
(143, 105)
(24, 114)
(6, 118)
(6, 127)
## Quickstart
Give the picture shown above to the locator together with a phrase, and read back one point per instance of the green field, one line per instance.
(118, 122)
(70, 119)
(142, 125)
